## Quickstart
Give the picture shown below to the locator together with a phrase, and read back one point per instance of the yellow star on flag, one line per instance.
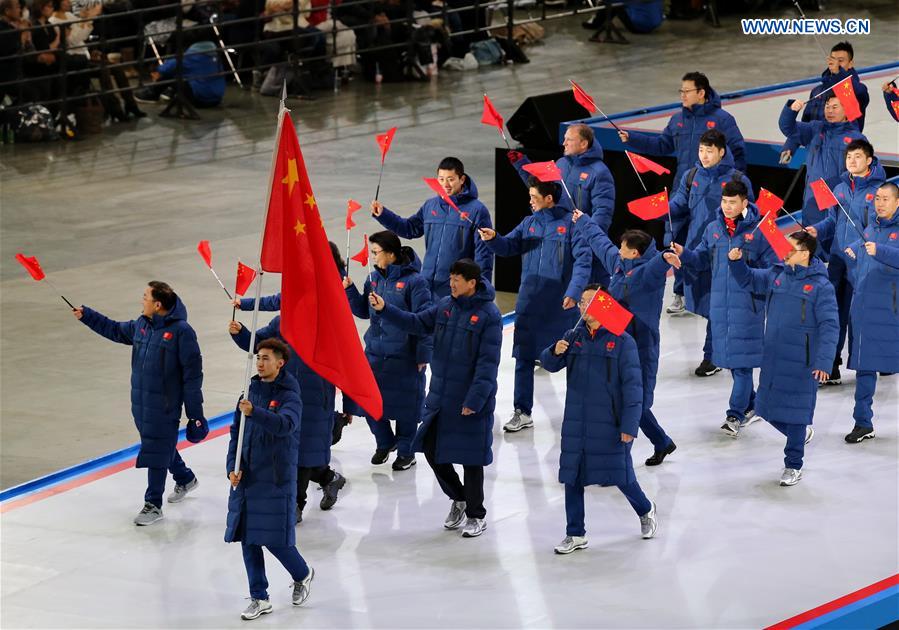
(299, 228)
(292, 177)
(310, 200)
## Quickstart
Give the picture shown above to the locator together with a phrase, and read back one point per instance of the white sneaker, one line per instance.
(474, 527)
(570, 543)
(301, 588)
(256, 608)
(809, 434)
(518, 421)
(790, 477)
(731, 426)
(148, 515)
(649, 523)
(750, 417)
(677, 305)
(180, 491)
(456, 515)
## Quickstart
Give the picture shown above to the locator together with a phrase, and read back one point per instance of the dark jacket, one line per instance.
(856, 194)
(199, 63)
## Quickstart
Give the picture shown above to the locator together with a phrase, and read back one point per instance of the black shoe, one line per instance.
(859, 434)
(146, 95)
(340, 421)
(381, 455)
(834, 378)
(659, 456)
(331, 490)
(706, 368)
(403, 463)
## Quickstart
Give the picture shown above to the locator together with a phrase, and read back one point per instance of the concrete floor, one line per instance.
(106, 214)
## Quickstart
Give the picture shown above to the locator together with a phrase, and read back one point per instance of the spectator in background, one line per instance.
(203, 84)
(13, 39)
(891, 98)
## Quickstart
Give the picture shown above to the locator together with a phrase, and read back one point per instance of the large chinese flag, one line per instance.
(315, 314)
(651, 207)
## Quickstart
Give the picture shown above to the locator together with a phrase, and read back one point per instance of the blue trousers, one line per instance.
(742, 394)
(523, 394)
(574, 505)
(865, 384)
(156, 479)
(707, 344)
(795, 448)
(253, 560)
(839, 278)
(653, 430)
(386, 439)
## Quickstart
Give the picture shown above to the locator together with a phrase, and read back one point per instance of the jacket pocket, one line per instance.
(894, 298)
(808, 349)
(802, 316)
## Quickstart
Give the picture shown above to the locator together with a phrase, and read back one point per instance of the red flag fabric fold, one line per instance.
(779, 243)
(437, 188)
(491, 116)
(645, 165)
(205, 252)
(609, 313)
(768, 202)
(315, 314)
(845, 91)
(544, 171)
(823, 195)
(352, 206)
(650, 207)
(245, 277)
(32, 266)
(362, 256)
(584, 100)
(384, 140)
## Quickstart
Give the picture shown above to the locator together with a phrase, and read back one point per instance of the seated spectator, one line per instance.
(13, 40)
(277, 42)
(203, 84)
(340, 40)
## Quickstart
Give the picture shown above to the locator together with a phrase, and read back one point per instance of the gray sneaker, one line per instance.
(519, 421)
(749, 418)
(180, 491)
(570, 543)
(301, 588)
(790, 477)
(149, 515)
(649, 523)
(809, 434)
(731, 426)
(474, 527)
(456, 515)
(256, 608)
(677, 306)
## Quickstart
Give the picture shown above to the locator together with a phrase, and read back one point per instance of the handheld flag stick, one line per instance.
(802, 15)
(378, 189)
(589, 104)
(636, 172)
(53, 286)
(230, 297)
(33, 267)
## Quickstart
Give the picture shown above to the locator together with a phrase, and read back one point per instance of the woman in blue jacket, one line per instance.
(603, 405)
(800, 339)
(397, 359)
(263, 490)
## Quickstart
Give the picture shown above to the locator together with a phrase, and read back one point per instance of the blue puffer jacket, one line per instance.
(875, 304)
(468, 335)
(639, 285)
(737, 316)
(856, 194)
(553, 267)
(166, 373)
(266, 303)
(448, 236)
(826, 154)
(316, 393)
(200, 63)
(267, 493)
(603, 399)
(681, 135)
(800, 336)
(394, 354)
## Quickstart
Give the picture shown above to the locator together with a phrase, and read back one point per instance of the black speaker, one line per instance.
(535, 124)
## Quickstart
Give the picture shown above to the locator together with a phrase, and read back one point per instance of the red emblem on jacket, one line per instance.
(447, 313)
(892, 236)
(869, 197)
(560, 229)
(777, 282)
(167, 335)
(748, 237)
(716, 235)
(473, 319)
(680, 124)
(846, 139)
(433, 213)
(578, 344)
(584, 176)
(143, 331)
(531, 229)
(723, 184)
(807, 288)
(610, 345)
(464, 216)
(400, 285)
(695, 184)
(273, 404)
(710, 124)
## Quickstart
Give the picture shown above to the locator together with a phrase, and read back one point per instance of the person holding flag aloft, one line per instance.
(397, 358)
(554, 271)
(449, 233)
(874, 316)
(800, 339)
(603, 405)
(736, 314)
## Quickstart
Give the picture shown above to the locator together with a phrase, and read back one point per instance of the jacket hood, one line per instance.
(752, 216)
(815, 268)
(721, 168)
(829, 80)
(647, 256)
(484, 293)
(284, 380)
(876, 175)
(469, 191)
(413, 262)
(592, 154)
(887, 222)
(179, 312)
(712, 103)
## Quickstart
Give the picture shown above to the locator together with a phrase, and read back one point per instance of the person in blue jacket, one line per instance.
(398, 359)
(891, 98)
(264, 484)
(875, 308)
(736, 314)
(855, 192)
(825, 142)
(695, 204)
(603, 404)
(587, 177)
(554, 271)
(800, 339)
(638, 273)
(457, 424)
(449, 235)
(204, 84)
(166, 374)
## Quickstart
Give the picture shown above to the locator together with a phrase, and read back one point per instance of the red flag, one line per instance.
(609, 313)
(351, 207)
(437, 188)
(491, 116)
(31, 265)
(645, 165)
(205, 252)
(544, 171)
(315, 315)
(585, 100)
(651, 207)
(823, 195)
(245, 276)
(895, 106)
(845, 91)
(768, 202)
(362, 256)
(775, 237)
(384, 140)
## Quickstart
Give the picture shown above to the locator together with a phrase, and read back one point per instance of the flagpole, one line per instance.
(58, 292)
(220, 282)
(633, 166)
(608, 120)
(380, 174)
(817, 41)
(251, 350)
(848, 217)
(589, 304)
(348, 252)
(670, 221)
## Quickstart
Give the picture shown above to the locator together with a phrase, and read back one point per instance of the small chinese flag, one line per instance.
(352, 206)
(584, 100)
(544, 171)
(205, 252)
(437, 188)
(362, 256)
(779, 243)
(823, 195)
(384, 140)
(491, 116)
(651, 207)
(645, 165)
(768, 202)
(31, 265)
(609, 313)
(845, 91)
(245, 276)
